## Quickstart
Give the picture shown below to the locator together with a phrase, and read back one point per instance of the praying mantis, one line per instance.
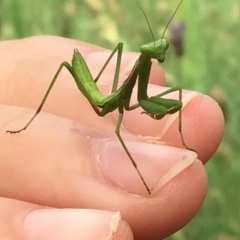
(155, 107)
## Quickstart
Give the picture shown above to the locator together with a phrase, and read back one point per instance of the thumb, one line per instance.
(22, 220)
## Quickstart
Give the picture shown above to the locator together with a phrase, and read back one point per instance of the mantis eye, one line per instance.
(161, 60)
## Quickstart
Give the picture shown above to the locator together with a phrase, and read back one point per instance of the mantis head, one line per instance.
(156, 50)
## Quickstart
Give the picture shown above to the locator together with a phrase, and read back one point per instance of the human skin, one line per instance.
(67, 176)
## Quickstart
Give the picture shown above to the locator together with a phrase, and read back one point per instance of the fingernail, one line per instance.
(188, 96)
(57, 224)
(155, 128)
(177, 168)
(153, 162)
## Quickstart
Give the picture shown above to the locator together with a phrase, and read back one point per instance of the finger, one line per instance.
(202, 124)
(28, 66)
(31, 63)
(66, 100)
(21, 220)
(64, 164)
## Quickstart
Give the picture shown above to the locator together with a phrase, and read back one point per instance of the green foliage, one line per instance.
(209, 63)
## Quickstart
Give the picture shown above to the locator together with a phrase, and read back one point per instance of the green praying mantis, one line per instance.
(155, 107)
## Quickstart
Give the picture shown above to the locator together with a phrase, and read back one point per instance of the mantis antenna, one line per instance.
(171, 18)
(150, 29)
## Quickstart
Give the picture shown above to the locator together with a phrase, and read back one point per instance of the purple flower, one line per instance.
(176, 39)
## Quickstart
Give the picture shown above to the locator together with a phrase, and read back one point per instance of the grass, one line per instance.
(207, 61)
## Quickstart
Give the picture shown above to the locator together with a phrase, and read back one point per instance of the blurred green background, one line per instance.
(203, 56)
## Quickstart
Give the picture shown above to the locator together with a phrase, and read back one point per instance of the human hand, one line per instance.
(70, 158)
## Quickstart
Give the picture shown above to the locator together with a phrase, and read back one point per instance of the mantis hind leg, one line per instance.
(117, 131)
(118, 49)
(64, 64)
